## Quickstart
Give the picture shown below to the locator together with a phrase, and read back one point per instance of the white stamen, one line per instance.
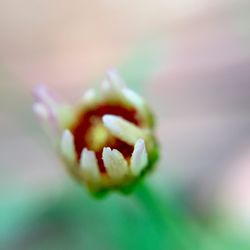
(139, 159)
(116, 165)
(123, 129)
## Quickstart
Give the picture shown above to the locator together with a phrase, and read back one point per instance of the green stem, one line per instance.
(163, 218)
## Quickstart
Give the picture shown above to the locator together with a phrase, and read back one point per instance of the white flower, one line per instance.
(106, 139)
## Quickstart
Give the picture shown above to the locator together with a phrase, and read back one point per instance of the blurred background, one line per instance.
(191, 61)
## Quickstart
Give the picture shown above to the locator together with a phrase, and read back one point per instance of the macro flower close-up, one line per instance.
(106, 138)
(124, 125)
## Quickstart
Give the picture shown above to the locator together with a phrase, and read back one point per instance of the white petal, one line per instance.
(90, 97)
(89, 166)
(139, 159)
(67, 147)
(54, 109)
(115, 78)
(110, 90)
(107, 87)
(134, 99)
(114, 162)
(43, 95)
(123, 129)
(113, 85)
(40, 110)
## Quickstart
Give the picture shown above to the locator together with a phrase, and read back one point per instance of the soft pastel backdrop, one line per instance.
(189, 59)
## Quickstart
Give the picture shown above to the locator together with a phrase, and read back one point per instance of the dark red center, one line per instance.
(88, 119)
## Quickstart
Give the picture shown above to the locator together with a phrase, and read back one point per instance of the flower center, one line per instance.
(89, 131)
(97, 136)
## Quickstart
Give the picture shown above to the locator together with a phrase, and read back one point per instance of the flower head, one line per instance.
(106, 139)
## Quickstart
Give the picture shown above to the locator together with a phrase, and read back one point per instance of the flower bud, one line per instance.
(106, 140)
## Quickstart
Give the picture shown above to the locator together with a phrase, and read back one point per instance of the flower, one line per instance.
(106, 139)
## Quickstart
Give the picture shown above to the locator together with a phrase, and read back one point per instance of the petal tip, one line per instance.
(139, 159)
(89, 165)
(109, 120)
(114, 77)
(123, 129)
(68, 147)
(90, 96)
(115, 163)
(40, 111)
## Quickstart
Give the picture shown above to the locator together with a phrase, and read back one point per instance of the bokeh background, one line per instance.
(190, 60)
